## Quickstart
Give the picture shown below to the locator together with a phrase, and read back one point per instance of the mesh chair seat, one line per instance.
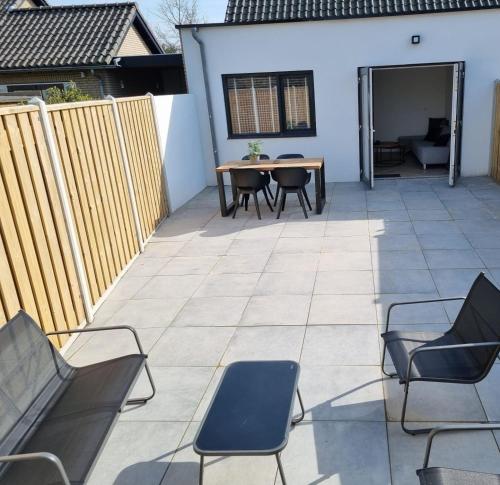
(449, 476)
(445, 364)
(77, 424)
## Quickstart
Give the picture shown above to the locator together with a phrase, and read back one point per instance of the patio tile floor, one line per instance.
(208, 291)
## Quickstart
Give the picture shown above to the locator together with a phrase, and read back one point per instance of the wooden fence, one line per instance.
(495, 148)
(111, 202)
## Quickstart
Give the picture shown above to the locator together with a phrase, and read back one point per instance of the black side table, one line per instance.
(251, 412)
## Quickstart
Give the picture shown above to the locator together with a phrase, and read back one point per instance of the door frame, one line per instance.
(460, 103)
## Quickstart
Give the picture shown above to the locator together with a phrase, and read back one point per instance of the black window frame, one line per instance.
(284, 132)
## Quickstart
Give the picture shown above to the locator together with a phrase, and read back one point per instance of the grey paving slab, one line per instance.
(206, 246)
(290, 283)
(214, 311)
(484, 240)
(169, 286)
(276, 310)
(335, 244)
(343, 260)
(490, 257)
(138, 453)
(351, 393)
(380, 205)
(346, 228)
(152, 313)
(454, 282)
(339, 215)
(147, 266)
(444, 241)
(391, 215)
(436, 227)
(228, 285)
(489, 393)
(453, 258)
(296, 245)
(413, 259)
(394, 242)
(162, 249)
(179, 391)
(344, 283)
(128, 287)
(378, 227)
(285, 262)
(243, 263)
(304, 229)
(342, 309)
(265, 343)
(251, 246)
(328, 452)
(188, 346)
(188, 265)
(403, 281)
(340, 345)
(429, 215)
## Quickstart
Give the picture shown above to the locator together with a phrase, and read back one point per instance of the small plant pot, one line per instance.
(254, 158)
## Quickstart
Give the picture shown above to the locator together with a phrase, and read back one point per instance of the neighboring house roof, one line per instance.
(68, 36)
(257, 11)
(5, 4)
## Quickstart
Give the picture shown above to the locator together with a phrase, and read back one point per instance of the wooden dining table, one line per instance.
(315, 164)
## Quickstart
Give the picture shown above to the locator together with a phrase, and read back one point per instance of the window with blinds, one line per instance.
(270, 104)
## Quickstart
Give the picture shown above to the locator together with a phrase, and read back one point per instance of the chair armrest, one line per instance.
(53, 459)
(419, 350)
(392, 305)
(101, 329)
(459, 427)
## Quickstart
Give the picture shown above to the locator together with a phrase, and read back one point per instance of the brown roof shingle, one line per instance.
(81, 35)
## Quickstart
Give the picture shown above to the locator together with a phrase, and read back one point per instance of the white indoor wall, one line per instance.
(334, 50)
(405, 99)
(181, 146)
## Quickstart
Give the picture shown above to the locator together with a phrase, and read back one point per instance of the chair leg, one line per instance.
(280, 468)
(270, 191)
(413, 432)
(200, 477)
(144, 400)
(282, 202)
(247, 198)
(237, 205)
(301, 200)
(256, 200)
(267, 200)
(276, 194)
(304, 191)
(302, 413)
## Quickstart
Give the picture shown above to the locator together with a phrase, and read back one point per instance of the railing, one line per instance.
(81, 189)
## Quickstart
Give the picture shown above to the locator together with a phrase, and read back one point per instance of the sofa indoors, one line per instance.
(432, 148)
(425, 151)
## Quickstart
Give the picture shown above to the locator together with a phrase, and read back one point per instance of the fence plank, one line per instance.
(8, 292)
(59, 234)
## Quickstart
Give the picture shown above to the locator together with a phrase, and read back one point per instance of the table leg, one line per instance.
(302, 414)
(319, 182)
(280, 468)
(200, 479)
(225, 210)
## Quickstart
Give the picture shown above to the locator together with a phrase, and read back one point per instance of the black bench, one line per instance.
(56, 417)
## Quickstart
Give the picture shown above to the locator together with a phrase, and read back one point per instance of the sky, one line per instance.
(210, 10)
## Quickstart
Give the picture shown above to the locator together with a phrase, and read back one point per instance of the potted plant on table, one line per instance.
(254, 149)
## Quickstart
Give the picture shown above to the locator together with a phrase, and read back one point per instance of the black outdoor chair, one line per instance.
(55, 418)
(292, 180)
(248, 181)
(289, 156)
(450, 476)
(464, 354)
(262, 156)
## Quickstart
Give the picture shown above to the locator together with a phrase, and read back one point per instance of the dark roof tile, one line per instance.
(244, 11)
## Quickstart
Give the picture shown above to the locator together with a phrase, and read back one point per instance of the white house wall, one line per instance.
(334, 50)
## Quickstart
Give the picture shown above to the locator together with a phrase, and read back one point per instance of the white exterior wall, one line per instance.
(181, 147)
(334, 50)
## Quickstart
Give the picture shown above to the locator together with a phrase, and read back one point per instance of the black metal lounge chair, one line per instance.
(55, 418)
(450, 476)
(464, 354)
(292, 180)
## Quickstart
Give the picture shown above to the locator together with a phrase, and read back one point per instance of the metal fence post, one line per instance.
(128, 173)
(158, 139)
(68, 215)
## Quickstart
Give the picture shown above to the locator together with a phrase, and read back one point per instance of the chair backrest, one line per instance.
(285, 156)
(32, 374)
(479, 319)
(262, 156)
(290, 177)
(247, 178)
